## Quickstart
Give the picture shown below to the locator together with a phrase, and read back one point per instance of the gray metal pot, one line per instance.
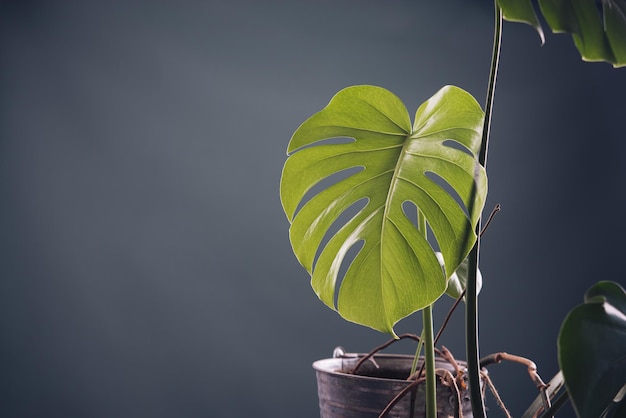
(365, 395)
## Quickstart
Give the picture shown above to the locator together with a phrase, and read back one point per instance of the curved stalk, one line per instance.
(471, 297)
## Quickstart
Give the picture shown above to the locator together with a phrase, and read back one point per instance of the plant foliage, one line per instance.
(599, 36)
(431, 163)
(592, 350)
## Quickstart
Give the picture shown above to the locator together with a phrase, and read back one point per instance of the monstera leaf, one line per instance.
(386, 162)
(592, 351)
(597, 38)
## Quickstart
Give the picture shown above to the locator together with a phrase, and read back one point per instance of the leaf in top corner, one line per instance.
(598, 28)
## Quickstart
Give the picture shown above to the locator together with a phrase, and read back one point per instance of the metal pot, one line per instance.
(366, 394)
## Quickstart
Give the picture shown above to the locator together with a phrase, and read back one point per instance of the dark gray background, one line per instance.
(145, 264)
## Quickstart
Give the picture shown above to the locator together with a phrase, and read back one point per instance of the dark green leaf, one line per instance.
(599, 36)
(592, 349)
(582, 20)
(523, 12)
(615, 24)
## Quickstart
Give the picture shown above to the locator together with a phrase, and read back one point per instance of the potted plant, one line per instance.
(386, 216)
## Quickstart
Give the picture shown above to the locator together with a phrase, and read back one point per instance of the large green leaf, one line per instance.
(395, 272)
(592, 349)
(598, 36)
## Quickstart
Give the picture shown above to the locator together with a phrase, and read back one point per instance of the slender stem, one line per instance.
(382, 347)
(418, 351)
(471, 316)
(428, 340)
(491, 88)
(429, 359)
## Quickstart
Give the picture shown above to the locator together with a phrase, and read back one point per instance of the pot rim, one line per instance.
(336, 365)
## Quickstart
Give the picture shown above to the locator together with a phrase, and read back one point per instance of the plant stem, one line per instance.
(428, 340)
(471, 316)
(418, 351)
(429, 360)
(491, 88)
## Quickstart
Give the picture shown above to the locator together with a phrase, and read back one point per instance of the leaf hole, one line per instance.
(457, 146)
(441, 182)
(327, 141)
(345, 217)
(345, 264)
(327, 182)
(410, 211)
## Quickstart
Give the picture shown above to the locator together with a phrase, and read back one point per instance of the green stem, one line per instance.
(428, 341)
(418, 351)
(429, 359)
(471, 296)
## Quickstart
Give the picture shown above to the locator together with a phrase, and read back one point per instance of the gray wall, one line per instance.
(145, 265)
